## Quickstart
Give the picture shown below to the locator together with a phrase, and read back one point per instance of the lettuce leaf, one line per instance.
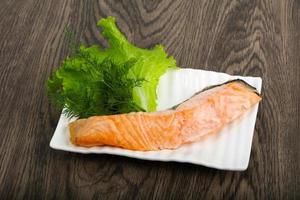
(119, 79)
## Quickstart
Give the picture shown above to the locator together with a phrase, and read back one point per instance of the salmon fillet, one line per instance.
(205, 113)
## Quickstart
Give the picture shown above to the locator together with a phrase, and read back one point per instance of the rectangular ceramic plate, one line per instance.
(229, 149)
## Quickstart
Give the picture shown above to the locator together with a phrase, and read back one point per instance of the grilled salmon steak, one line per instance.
(205, 113)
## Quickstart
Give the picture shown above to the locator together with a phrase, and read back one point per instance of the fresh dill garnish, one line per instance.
(102, 87)
(93, 88)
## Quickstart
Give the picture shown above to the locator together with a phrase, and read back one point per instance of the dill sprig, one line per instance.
(91, 88)
(85, 85)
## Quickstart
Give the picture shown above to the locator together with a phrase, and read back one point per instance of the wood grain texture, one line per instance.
(247, 37)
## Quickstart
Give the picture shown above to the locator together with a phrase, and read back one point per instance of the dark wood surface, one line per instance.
(247, 37)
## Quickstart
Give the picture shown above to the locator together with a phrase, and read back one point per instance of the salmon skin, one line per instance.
(203, 114)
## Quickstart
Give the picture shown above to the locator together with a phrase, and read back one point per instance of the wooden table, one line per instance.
(246, 37)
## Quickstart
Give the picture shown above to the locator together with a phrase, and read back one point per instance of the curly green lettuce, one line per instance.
(119, 79)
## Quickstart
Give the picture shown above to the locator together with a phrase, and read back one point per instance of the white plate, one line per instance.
(229, 150)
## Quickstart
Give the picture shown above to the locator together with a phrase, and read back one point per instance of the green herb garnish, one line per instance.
(119, 79)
